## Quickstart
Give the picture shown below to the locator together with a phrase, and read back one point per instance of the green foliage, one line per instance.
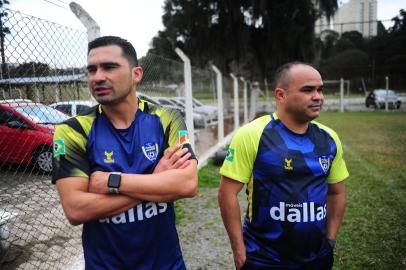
(383, 55)
(348, 64)
(246, 37)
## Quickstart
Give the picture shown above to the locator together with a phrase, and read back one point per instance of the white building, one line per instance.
(355, 15)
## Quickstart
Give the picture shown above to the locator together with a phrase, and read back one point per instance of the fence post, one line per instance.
(219, 83)
(93, 29)
(254, 100)
(188, 94)
(245, 100)
(236, 105)
(341, 95)
(387, 92)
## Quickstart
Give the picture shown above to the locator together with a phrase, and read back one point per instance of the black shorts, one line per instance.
(323, 263)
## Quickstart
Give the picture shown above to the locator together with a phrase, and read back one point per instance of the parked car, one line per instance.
(26, 133)
(200, 119)
(146, 98)
(209, 111)
(377, 99)
(73, 107)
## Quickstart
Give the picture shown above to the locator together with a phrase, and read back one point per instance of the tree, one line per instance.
(3, 32)
(31, 69)
(234, 34)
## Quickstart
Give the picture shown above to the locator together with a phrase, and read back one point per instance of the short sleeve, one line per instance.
(338, 170)
(175, 130)
(69, 154)
(241, 154)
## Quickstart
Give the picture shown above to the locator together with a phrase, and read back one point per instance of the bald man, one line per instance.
(293, 169)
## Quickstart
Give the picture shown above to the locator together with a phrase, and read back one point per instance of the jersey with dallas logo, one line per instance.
(287, 176)
(144, 237)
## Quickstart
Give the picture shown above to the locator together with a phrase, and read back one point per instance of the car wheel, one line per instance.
(43, 159)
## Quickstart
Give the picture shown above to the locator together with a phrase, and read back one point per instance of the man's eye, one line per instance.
(109, 67)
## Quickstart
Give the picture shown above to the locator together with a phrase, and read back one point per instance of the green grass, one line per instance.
(209, 176)
(373, 234)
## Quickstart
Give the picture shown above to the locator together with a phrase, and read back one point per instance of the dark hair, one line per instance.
(281, 78)
(128, 50)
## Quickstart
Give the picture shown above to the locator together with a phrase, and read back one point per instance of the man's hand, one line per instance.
(174, 158)
(98, 182)
(239, 258)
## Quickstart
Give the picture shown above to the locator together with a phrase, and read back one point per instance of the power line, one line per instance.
(63, 2)
(48, 1)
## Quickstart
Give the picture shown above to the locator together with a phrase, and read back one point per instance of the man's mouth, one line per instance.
(101, 90)
(315, 106)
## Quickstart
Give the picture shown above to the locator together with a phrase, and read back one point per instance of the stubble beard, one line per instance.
(115, 99)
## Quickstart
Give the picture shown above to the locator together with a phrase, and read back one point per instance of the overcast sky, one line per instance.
(136, 20)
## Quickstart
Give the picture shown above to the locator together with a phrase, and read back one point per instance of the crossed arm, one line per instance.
(86, 199)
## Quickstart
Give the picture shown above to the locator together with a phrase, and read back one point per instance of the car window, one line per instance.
(165, 102)
(6, 116)
(81, 108)
(42, 114)
(64, 108)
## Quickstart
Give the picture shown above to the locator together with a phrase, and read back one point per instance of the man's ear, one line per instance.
(280, 94)
(137, 73)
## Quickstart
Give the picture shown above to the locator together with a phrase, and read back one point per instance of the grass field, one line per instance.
(373, 234)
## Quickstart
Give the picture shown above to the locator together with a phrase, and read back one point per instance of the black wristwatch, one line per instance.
(114, 182)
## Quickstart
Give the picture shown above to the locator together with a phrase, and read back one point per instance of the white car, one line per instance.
(210, 112)
(73, 107)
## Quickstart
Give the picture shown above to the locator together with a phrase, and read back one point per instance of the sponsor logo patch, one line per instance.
(109, 157)
(59, 147)
(230, 154)
(288, 164)
(324, 163)
(184, 137)
(150, 150)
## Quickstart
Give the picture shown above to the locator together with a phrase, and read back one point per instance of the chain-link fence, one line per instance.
(42, 63)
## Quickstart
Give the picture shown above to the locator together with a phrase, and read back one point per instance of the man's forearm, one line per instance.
(335, 213)
(81, 206)
(231, 215)
(165, 186)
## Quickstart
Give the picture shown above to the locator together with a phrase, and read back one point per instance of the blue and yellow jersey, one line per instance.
(287, 177)
(143, 237)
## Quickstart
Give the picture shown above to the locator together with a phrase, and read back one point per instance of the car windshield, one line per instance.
(41, 114)
(383, 93)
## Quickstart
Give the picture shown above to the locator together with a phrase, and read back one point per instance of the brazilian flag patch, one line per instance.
(230, 154)
(59, 147)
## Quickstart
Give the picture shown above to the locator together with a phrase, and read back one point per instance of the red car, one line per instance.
(26, 133)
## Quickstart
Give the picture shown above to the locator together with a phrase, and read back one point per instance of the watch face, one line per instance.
(114, 180)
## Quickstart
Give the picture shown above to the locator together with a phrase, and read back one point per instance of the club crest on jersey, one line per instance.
(183, 136)
(150, 150)
(288, 164)
(109, 156)
(324, 163)
(59, 147)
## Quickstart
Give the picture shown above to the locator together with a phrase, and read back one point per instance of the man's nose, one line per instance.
(318, 95)
(98, 76)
